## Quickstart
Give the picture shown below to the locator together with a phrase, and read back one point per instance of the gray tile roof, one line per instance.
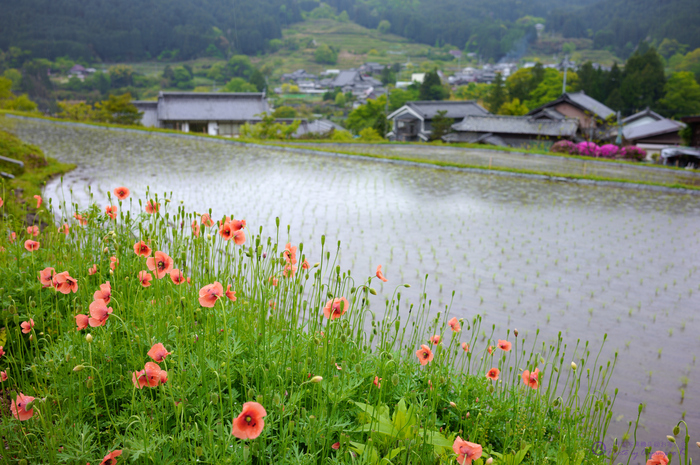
(211, 106)
(581, 100)
(642, 114)
(455, 110)
(656, 128)
(517, 125)
(346, 77)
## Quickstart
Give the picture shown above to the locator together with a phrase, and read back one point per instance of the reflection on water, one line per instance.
(583, 260)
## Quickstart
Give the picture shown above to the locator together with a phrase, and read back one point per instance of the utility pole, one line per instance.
(566, 62)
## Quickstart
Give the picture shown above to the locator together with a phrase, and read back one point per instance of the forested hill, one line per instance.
(116, 30)
(621, 24)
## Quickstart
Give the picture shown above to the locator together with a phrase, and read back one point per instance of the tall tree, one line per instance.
(643, 80)
(497, 95)
(431, 88)
(681, 95)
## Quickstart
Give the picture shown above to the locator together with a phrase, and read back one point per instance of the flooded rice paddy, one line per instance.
(559, 257)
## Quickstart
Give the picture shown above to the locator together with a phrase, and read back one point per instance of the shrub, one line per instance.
(589, 149)
(564, 146)
(370, 135)
(633, 152)
(609, 151)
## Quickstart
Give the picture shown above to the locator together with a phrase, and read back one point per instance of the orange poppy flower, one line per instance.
(18, 407)
(121, 193)
(111, 458)
(33, 230)
(176, 276)
(336, 308)
(161, 264)
(2, 352)
(39, 201)
(111, 211)
(81, 219)
(92, 270)
(249, 424)
(152, 207)
(195, 228)
(27, 326)
(13, 237)
(142, 249)
(158, 352)
(1, 202)
(65, 229)
(99, 312)
(145, 278)
(207, 221)
(31, 245)
(239, 237)
(46, 277)
(466, 451)
(64, 283)
(113, 262)
(139, 379)
(493, 373)
(305, 265)
(209, 294)
(105, 292)
(237, 225)
(465, 347)
(290, 253)
(272, 280)
(376, 382)
(424, 354)
(490, 350)
(380, 275)
(163, 376)
(152, 372)
(504, 345)
(230, 294)
(3, 376)
(435, 339)
(226, 231)
(335, 446)
(454, 324)
(532, 379)
(82, 321)
(657, 458)
(289, 271)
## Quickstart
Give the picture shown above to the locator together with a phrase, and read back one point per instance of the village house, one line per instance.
(593, 116)
(650, 131)
(512, 131)
(351, 80)
(216, 114)
(413, 121)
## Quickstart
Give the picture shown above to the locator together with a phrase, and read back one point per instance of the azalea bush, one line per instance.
(564, 146)
(632, 152)
(608, 151)
(148, 334)
(588, 149)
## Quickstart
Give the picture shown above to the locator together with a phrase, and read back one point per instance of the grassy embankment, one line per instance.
(18, 193)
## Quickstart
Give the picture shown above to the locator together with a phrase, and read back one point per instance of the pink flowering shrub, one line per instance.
(564, 146)
(633, 153)
(589, 149)
(608, 151)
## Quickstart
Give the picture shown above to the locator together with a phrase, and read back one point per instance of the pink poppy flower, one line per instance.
(195, 228)
(209, 294)
(81, 219)
(176, 276)
(226, 231)
(335, 446)
(1, 202)
(504, 345)
(111, 211)
(46, 277)
(152, 207)
(237, 225)
(490, 350)
(142, 249)
(230, 294)
(82, 321)
(305, 265)
(466, 451)
(27, 326)
(153, 374)
(113, 262)
(31, 246)
(207, 221)
(239, 237)
(249, 424)
(92, 270)
(531, 379)
(65, 229)
(64, 283)
(111, 458)
(145, 278)
(3, 376)
(336, 308)
(39, 201)
(2, 351)
(424, 354)
(380, 275)
(161, 264)
(158, 352)
(493, 373)
(105, 292)
(18, 407)
(435, 339)
(121, 193)
(13, 237)
(33, 231)
(289, 271)
(657, 458)
(290, 253)
(454, 324)
(465, 347)
(376, 382)
(99, 312)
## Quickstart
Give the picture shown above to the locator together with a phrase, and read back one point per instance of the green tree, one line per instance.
(670, 47)
(121, 76)
(258, 80)
(388, 76)
(218, 71)
(182, 78)
(520, 84)
(384, 26)
(369, 115)
(340, 100)
(399, 97)
(691, 62)
(118, 110)
(370, 135)
(643, 80)
(285, 112)
(80, 111)
(431, 88)
(513, 107)
(550, 88)
(326, 55)
(681, 95)
(15, 76)
(472, 91)
(238, 84)
(497, 94)
(238, 66)
(442, 125)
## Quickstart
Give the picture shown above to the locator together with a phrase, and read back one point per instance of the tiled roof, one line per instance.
(656, 128)
(455, 110)
(219, 106)
(517, 125)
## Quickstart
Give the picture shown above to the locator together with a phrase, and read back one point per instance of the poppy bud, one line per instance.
(358, 368)
(453, 405)
(698, 444)
(214, 398)
(395, 379)
(489, 461)
(168, 300)
(316, 379)
(32, 304)
(22, 462)
(467, 415)
(556, 402)
(198, 451)
(16, 318)
(372, 291)
(343, 338)
(317, 341)
(106, 250)
(406, 285)
(89, 383)
(515, 332)
(491, 388)
(88, 337)
(573, 366)
(78, 368)
(251, 393)
(671, 439)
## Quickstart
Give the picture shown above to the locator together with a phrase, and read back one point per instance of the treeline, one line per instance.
(137, 30)
(618, 25)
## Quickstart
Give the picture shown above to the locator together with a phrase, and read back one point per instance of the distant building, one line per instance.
(593, 116)
(512, 131)
(413, 121)
(372, 68)
(649, 130)
(351, 80)
(298, 75)
(319, 126)
(216, 114)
